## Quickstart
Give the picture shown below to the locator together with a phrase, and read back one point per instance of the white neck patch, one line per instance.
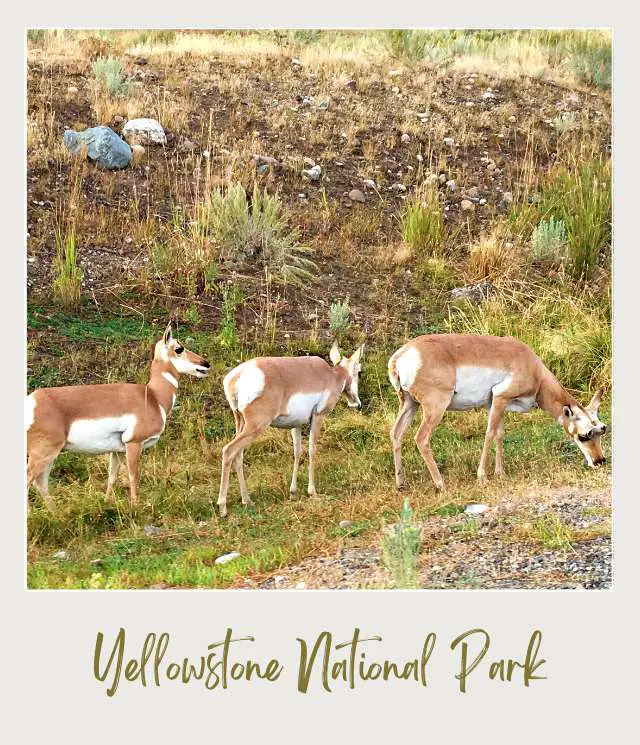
(168, 376)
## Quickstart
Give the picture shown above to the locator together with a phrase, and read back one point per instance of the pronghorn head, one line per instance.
(169, 349)
(352, 366)
(584, 427)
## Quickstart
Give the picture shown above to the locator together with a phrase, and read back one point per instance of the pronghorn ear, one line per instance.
(595, 402)
(567, 412)
(357, 355)
(334, 354)
(168, 336)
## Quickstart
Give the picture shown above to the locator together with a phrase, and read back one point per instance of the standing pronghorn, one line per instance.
(284, 392)
(112, 418)
(457, 372)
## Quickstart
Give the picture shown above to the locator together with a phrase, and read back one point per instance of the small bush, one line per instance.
(254, 231)
(400, 549)
(339, 317)
(592, 67)
(109, 74)
(549, 240)
(564, 123)
(422, 222)
(228, 336)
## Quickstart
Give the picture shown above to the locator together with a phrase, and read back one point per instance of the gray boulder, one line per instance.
(102, 144)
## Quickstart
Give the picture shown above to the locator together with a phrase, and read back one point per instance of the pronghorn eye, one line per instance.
(179, 350)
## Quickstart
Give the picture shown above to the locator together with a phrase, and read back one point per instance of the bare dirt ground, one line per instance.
(489, 557)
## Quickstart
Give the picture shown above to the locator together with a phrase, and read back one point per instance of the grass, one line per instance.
(110, 75)
(68, 275)
(549, 239)
(422, 223)
(400, 549)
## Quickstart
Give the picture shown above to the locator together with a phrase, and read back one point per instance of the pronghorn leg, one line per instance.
(250, 432)
(316, 425)
(296, 436)
(408, 408)
(114, 467)
(39, 467)
(496, 414)
(238, 463)
(499, 470)
(433, 408)
(134, 449)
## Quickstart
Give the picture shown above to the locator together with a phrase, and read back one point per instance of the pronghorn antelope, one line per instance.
(289, 393)
(458, 372)
(112, 418)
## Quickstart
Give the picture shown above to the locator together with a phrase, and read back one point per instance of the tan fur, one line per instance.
(56, 409)
(283, 378)
(434, 385)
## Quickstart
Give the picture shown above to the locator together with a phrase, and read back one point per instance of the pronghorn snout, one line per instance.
(202, 368)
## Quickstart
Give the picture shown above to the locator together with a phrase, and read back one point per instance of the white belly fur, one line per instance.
(476, 385)
(300, 409)
(104, 435)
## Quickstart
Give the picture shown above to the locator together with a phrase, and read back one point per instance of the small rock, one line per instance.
(405, 137)
(488, 95)
(301, 585)
(313, 174)
(394, 73)
(309, 162)
(296, 62)
(397, 187)
(323, 106)
(449, 141)
(264, 168)
(278, 580)
(507, 197)
(226, 558)
(482, 201)
(72, 90)
(395, 89)
(61, 555)
(344, 524)
(475, 509)
(144, 130)
(150, 530)
(355, 195)
(137, 152)
(351, 85)
(451, 185)
(476, 293)
(442, 178)
(467, 205)
(96, 562)
(369, 183)
(512, 119)
(473, 192)
(117, 119)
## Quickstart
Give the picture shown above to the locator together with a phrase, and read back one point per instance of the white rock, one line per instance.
(449, 141)
(369, 183)
(144, 130)
(475, 509)
(355, 195)
(512, 119)
(313, 174)
(467, 205)
(226, 558)
(72, 90)
(296, 62)
(406, 137)
(301, 585)
(61, 555)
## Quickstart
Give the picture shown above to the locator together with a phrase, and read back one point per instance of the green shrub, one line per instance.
(109, 74)
(339, 316)
(549, 240)
(400, 549)
(592, 67)
(259, 231)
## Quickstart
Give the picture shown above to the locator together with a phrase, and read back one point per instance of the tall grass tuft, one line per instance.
(109, 74)
(68, 275)
(400, 549)
(579, 194)
(254, 231)
(422, 222)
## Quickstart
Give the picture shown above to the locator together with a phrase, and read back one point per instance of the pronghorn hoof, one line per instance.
(401, 487)
(223, 511)
(293, 494)
(312, 493)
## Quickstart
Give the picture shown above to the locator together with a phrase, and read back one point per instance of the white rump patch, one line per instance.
(248, 381)
(163, 414)
(29, 411)
(104, 435)
(476, 385)
(407, 366)
(300, 408)
(168, 376)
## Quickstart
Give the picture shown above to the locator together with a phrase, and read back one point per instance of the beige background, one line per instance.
(589, 638)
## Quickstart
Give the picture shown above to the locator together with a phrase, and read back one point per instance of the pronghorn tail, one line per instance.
(394, 378)
(230, 392)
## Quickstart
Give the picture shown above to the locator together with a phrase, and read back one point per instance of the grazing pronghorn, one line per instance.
(289, 393)
(112, 418)
(457, 372)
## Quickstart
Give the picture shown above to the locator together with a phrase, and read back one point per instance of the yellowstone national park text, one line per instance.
(324, 663)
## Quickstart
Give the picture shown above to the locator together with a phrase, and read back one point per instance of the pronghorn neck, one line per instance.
(164, 383)
(553, 397)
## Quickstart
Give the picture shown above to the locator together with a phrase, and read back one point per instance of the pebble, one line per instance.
(467, 205)
(355, 195)
(475, 509)
(313, 174)
(301, 585)
(72, 90)
(351, 85)
(150, 530)
(449, 141)
(296, 62)
(397, 187)
(442, 178)
(61, 555)
(226, 558)
(451, 185)
(264, 168)
(369, 183)
(507, 197)
(406, 137)
(512, 119)
(344, 524)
